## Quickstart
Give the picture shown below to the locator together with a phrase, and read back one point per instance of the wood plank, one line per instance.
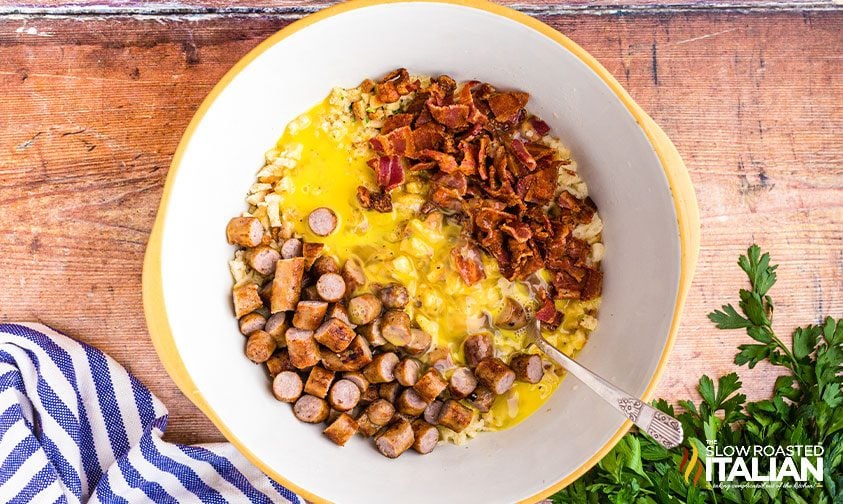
(93, 109)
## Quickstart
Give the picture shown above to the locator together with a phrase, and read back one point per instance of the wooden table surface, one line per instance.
(95, 97)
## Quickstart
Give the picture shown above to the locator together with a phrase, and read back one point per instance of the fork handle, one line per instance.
(665, 429)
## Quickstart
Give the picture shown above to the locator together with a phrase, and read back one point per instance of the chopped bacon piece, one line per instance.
(428, 136)
(446, 162)
(423, 165)
(386, 92)
(451, 116)
(540, 127)
(521, 153)
(390, 172)
(507, 105)
(592, 285)
(468, 165)
(538, 187)
(380, 202)
(395, 85)
(547, 310)
(519, 231)
(539, 151)
(396, 121)
(398, 142)
(468, 263)
(446, 198)
(456, 181)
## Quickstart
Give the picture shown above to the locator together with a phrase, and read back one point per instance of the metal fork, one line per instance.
(660, 426)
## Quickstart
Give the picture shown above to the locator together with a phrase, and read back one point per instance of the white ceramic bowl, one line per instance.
(633, 173)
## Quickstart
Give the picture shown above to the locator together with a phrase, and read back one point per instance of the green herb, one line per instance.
(806, 408)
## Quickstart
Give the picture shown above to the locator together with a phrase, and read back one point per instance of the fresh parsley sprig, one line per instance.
(806, 408)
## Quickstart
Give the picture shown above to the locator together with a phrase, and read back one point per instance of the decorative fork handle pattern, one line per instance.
(662, 427)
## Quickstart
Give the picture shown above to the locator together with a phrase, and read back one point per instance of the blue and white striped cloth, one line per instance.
(76, 427)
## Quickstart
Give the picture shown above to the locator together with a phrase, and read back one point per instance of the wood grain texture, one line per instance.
(93, 109)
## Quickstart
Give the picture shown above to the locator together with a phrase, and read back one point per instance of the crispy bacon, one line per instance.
(390, 172)
(539, 126)
(521, 153)
(538, 187)
(453, 116)
(396, 121)
(446, 162)
(380, 202)
(468, 263)
(398, 142)
(507, 105)
(547, 310)
(456, 181)
(429, 136)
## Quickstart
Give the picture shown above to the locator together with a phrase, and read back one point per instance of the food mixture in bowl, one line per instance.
(399, 236)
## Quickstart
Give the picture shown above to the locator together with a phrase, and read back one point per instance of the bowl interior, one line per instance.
(624, 176)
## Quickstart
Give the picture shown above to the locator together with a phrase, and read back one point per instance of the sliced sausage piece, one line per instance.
(338, 311)
(310, 251)
(344, 395)
(431, 412)
(291, 248)
(259, 346)
(389, 391)
(247, 299)
(527, 367)
(380, 370)
(286, 286)
(419, 342)
(276, 326)
(495, 375)
(330, 287)
(265, 292)
(380, 412)
(342, 429)
(309, 314)
(455, 416)
(325, 264)
(279, 362)
(252, 322)
(395, 327)
(364, 308)
(482, 398)
(354, 276)
(322, 221)
(319, 382)
(309, 293)
(353, 358)
(512, 315)
(462, 383)
(395, 439)
(370, 395)
(335, 334)
(425, 435)
(244, 231)
(430, 385)
(372, 332)
(394, 295)
(358, 379)
(411, 403)
(262, 259)
(287, 386)
(366, 427)
(304, 351)
(311, 409)
(407, 372)
(478, 347)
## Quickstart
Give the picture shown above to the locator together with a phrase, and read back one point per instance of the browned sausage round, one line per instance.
(527, 367)
(512, 315)
(372, 332)
(455, 416)
(244, 231)
(344, 395)
(319, 381)
(309, 314)
(252, 322)
(353, 274)
(364, 308)
(338, 311)
(291, 248)
(353, 358)
(366, 427)
(395, 439)
(304, 351)
(287, 386)
(259, 346)
(370, 395)
(407, 372)
(426, 436)
(394, 295)
(395, 327)
(411, 403)
(342, 429)
(358, 379)
(380, 412)
(330, 287)
(280, 361)
(431, 412)
(325, 264)
(247, 299)
(482, 398)
(495, 375)
(419, 342)
(335, 334)
(276, 326)
(322, 221)
(462, 383)
(262, 259)
(381, 369)
(478, 347)
(311, 409)
(310, 252)
(430, 385)
(389, 391)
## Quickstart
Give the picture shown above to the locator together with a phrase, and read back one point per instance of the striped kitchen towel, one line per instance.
(76, 427)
